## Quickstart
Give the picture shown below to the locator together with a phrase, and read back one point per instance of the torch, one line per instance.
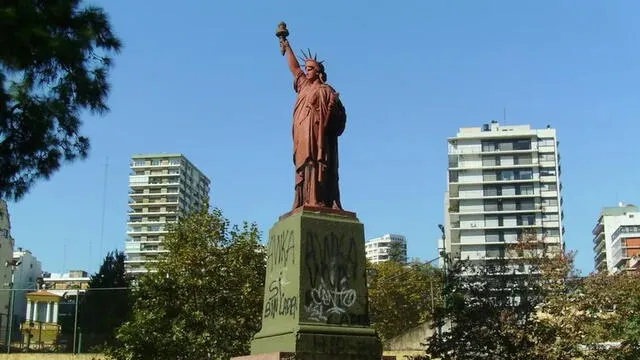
(282, 33)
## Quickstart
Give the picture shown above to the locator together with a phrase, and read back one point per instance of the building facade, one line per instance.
(163, 187)
(502, 182)
(6, 254)
(27, 276)
(379, 249)
(59, 284)
(616, 238)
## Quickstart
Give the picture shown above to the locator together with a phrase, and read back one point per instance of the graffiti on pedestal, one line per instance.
(280, 254)
(331, 266)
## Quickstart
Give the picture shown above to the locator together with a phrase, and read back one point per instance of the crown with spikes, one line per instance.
(306, 57)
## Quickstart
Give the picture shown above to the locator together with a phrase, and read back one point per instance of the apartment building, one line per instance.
(502, 182)
(378, 249)
(616, 238)
(163, 187)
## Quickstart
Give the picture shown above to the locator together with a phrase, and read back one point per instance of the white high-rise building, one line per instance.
(163, 187)
(378, 249)
(616, 238)
(502, 182)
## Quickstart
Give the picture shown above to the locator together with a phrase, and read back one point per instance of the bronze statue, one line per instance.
(318, 119)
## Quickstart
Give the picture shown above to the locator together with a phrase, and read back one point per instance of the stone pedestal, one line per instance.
(315, 298)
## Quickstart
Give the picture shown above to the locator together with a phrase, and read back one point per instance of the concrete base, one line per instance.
(269, 356)
(292, 356)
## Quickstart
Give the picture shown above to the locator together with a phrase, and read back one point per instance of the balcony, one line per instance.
(478, 165)
(599, 238)
(598, 228)
(464, 180)
(495, 212)
(482, 226)
(137, 165)
(549, 193)
(477, 197)
(152, 184)
(150, 202)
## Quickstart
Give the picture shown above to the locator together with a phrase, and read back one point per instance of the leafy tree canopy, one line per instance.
(107, 303)
(54, 62)
(402, 297)
(204, 299)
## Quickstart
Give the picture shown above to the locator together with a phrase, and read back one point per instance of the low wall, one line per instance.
(36, 356)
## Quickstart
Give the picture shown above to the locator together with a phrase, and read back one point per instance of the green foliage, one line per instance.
(549, 313)
(490, 309)
(400, 297)
(53, 66)
(398, 252)
(107, 303)
(205, 298)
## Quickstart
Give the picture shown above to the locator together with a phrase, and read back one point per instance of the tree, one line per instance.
(204, 299)
(402, 297)
(491, 307)
(107, 303)
(398, 252)
(54, 62)
(598, 318)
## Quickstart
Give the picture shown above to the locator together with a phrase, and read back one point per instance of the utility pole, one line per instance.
(13, 263)
(75, 322)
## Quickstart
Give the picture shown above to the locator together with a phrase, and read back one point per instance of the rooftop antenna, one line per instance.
(504, 114)
(104, 199)
(64, 255)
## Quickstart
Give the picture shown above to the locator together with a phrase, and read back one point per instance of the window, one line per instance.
(490, 161)
(492, 191)
(489, 176)
(522, 159)
(511, 236)
(524, 175)
(495, 251)
(508, 205)
(526, 220)
(491, 220)
(492, 236)
(547, 157)
(155, 162)
(491, 205)
(489, 146)
(553, 232)
(525, 190)
(547, 172)
(506, 146)
(507, 175)
(526, 205)
(546, 142)
(522, 145)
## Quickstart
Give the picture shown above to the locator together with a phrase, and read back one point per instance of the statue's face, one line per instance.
(312, 71)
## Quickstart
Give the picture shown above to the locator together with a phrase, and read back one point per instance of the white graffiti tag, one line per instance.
(327, 301)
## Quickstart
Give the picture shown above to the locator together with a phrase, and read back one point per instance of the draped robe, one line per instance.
(318, 120)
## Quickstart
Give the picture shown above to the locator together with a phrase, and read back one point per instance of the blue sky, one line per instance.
(206, 79)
